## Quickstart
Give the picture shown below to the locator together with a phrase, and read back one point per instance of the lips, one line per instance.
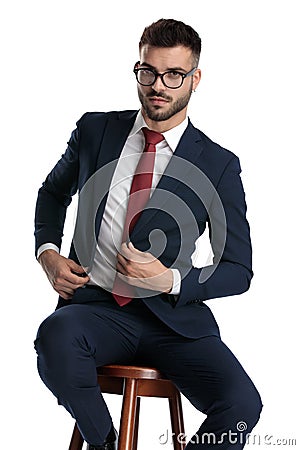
(158, 101)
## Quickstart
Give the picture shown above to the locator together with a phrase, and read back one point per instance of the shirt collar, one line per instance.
(172, 136)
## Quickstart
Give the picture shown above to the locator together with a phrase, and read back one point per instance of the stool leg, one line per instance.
(76, 440)
(177, 421)
(136, 424)
(128, 415)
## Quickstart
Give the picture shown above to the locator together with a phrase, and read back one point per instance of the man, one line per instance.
(148, 184)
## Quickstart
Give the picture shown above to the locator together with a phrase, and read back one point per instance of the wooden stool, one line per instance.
(135, 382)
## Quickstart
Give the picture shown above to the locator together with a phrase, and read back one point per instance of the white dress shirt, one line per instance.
(111, 229)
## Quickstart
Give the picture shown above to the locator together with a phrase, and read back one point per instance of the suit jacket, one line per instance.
(200, 186)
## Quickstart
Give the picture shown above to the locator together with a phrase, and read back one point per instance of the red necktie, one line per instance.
(138, 198)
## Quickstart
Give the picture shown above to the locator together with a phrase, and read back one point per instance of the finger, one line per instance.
(64, 273)
(65, 278)
(127, 279)
(144, 255)
(76, 267)
(122, 260)
(68, 280)
(133, 249)
(77, 270)
(132, 256)
(63, 294)
(65, 287)
(124, 250)
(120, 268)
(74, 279)
(81, 275)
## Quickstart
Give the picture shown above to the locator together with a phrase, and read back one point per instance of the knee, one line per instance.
(255, 406)
(60, 341)
(247, 408)
(58, 349)
(54, 333)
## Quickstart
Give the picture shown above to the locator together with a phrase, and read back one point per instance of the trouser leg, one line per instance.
(70, 344)
(212, 379)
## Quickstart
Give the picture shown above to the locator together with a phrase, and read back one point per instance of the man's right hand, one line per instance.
(62, 273)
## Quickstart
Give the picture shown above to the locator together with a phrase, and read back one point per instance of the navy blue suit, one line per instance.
(201, 186)
(99, 139)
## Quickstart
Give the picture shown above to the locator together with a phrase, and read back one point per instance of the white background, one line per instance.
(62, 58)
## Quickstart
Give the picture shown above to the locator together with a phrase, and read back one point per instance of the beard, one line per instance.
(154, 113)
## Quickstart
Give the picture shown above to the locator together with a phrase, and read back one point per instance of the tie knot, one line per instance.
(152, 137)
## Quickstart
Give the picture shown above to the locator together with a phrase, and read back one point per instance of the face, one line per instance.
(160, 103)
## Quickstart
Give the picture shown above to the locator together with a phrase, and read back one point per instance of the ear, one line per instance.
(196, 78)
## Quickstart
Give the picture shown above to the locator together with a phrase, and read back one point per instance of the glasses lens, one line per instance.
(172, 79)
(145, 77)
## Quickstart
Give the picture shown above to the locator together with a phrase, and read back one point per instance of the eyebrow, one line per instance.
(167, 70)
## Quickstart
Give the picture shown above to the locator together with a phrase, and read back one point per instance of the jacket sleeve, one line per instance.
(56, 193)
(231, 271)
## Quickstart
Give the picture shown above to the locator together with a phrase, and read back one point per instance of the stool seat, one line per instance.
(143, 373)
(134, 382)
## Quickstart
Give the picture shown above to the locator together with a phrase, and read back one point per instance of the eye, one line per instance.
(146, 71)
(145, 76)
(174, 75)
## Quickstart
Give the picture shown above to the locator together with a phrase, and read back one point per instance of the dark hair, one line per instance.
(170, 33)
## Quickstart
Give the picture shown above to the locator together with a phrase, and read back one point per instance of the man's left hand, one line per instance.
(141, 269)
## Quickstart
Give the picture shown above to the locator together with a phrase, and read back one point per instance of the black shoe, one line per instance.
(110, 443)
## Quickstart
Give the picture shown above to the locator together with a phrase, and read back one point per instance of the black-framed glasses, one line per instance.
(172, 79)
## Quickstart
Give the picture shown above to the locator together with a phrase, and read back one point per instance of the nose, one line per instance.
(158, 86)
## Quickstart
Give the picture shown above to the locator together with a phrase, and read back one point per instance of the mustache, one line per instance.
(153, 93)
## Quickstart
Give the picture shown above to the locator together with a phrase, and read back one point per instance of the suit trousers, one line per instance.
(77, 338)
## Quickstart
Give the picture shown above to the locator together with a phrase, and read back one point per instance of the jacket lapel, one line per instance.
(189, 149)
(114, 138)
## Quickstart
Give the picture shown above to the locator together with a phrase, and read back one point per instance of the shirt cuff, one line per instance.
(176, 282)
(47, 246)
